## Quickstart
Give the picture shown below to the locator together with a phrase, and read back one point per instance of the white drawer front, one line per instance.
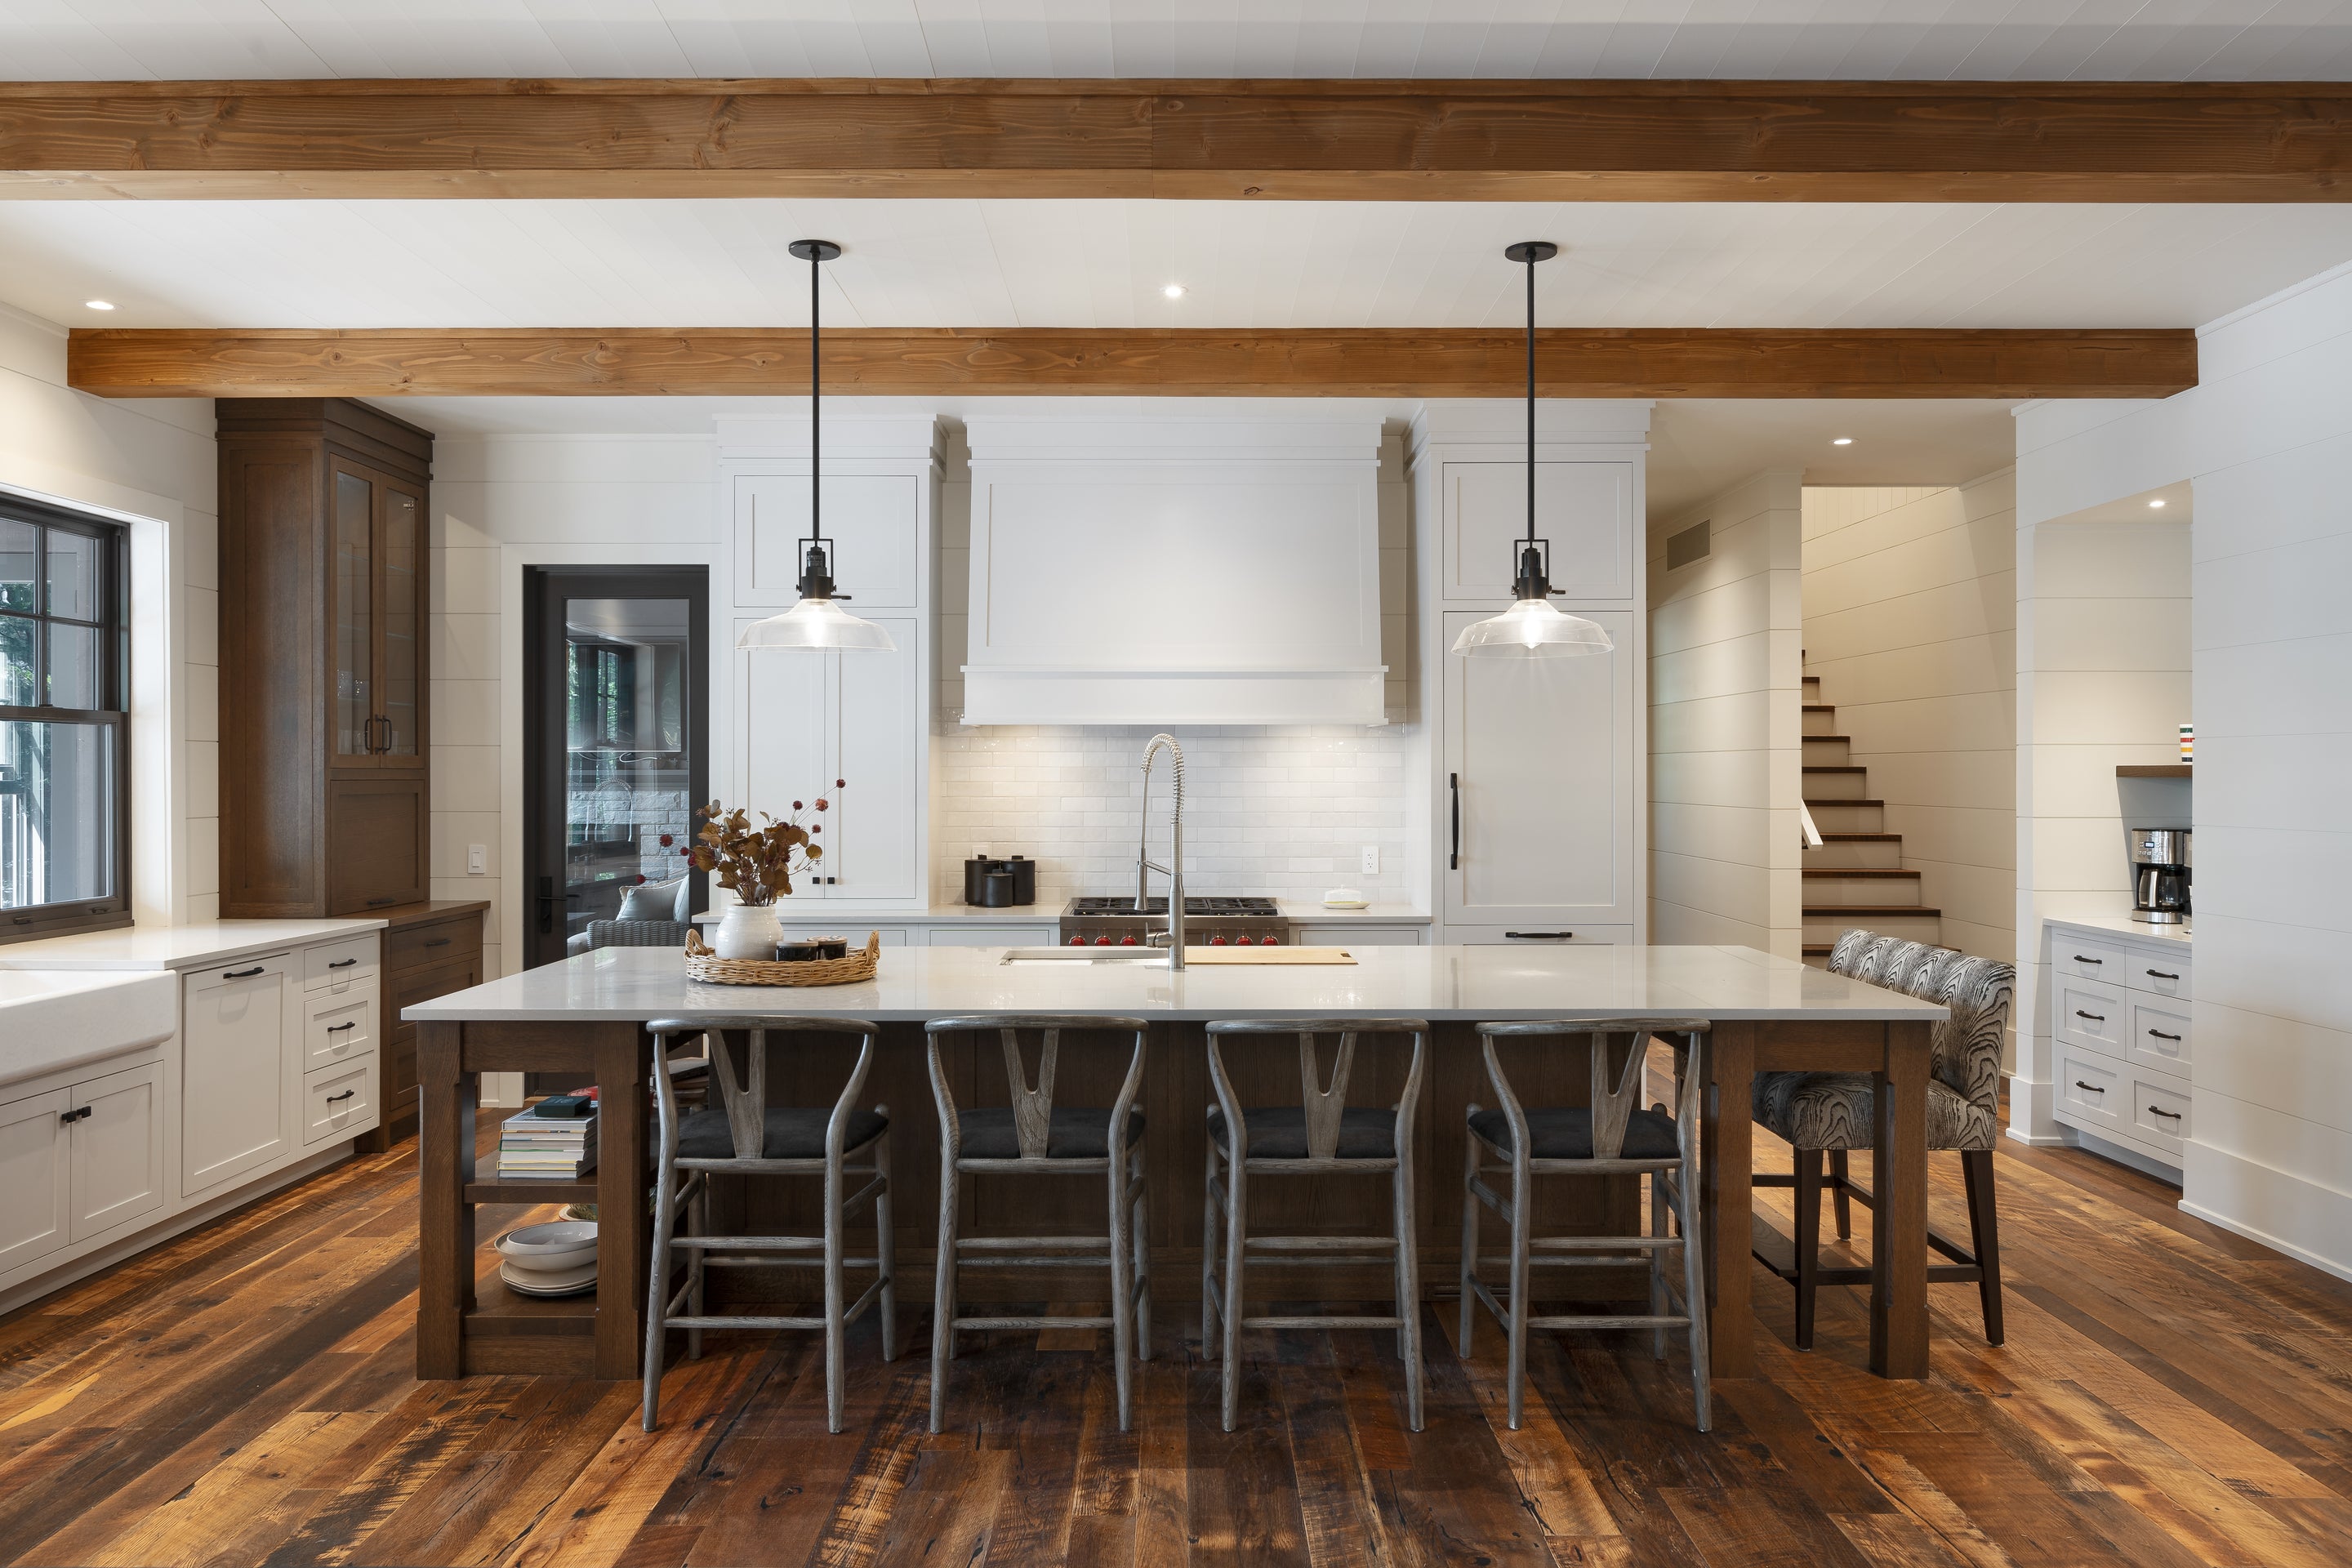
(2076, 958)
(339, 963)
(2161, 971)
(2087, 1013)
(1339, 933)
(2159, 1112)
(2092, 1090)
(338, 1025)
(977, 935)
(339, 1101)
(1536, 935)
(2160, 1037)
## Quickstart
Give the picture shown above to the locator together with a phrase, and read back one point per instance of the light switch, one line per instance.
(477, 859)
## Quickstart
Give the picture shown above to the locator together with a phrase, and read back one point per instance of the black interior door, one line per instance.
(615, 725)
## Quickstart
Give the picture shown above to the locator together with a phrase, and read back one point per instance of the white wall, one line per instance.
(2266, 437)
(149, 463)
(1724, 746)
(1910, 623)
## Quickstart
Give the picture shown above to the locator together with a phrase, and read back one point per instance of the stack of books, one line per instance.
(532, 1147)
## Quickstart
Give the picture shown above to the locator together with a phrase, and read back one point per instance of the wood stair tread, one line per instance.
(1858, 870)
(1871, 910)
(1872, 800)
(1819, 707)
(1856, 838)
(1835, 768)
(1847, 739)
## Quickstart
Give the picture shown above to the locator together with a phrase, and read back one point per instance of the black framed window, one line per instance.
(65, 721)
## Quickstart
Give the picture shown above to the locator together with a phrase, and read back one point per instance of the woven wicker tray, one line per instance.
(702, 963)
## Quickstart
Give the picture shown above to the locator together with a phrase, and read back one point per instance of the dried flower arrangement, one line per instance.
(757, 864)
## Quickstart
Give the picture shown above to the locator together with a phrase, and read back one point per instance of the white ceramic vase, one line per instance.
(749, 930)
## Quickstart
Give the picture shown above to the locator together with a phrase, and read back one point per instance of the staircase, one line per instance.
(1856, 876)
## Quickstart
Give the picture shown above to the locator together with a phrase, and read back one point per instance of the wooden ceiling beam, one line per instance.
(1281, 140)
(1313, 362)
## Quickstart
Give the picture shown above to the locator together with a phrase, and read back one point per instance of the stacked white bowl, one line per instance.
(558, 1258)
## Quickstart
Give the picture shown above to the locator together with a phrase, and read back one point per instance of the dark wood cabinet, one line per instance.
(430, 949)
(325, 679)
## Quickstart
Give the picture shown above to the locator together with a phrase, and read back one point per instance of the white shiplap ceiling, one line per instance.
(2147, 40)
(1103, 263)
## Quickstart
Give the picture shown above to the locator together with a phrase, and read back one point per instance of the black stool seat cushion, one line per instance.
(1279, 1132)
(1565, 1133)
(1075, 1133)
(794, 1132)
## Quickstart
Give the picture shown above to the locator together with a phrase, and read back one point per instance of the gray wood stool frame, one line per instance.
(745, 1100)
(1673, 1187)
(1122, 1249)
(1323, 1103)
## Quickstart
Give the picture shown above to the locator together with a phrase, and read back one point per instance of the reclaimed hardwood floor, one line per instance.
(2169, 1395)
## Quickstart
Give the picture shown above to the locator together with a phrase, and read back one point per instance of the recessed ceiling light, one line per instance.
(100, 304)
(2157, 502)
(1173, 291)
(1842, 441)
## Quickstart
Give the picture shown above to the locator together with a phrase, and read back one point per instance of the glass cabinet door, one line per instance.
(351, 696)
(400, 683)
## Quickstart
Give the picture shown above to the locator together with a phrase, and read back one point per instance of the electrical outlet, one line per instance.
(1371, 859)
(477, 859)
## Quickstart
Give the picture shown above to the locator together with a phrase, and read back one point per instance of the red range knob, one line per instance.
(1102, 941)
(1126, 941)
(1269, 941)
(1077, 941)
(1217, 942)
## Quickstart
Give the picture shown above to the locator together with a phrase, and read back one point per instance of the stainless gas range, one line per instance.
(1208, 922)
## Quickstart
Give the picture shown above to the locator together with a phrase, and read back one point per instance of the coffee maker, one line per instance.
(2159, 863)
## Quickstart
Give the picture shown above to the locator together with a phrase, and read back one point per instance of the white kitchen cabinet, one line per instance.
(808, 718)
(1536, 805)
(974, 934)
(35, 1177)
(240, 1054)
(872, 520)
(1339, 933)
(338, 1101)
(337, 1026)
(117, 1154)
(2120, 1034)
(1534, 934)
(1584, 510)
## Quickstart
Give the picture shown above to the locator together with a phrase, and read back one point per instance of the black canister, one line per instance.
(993, 884)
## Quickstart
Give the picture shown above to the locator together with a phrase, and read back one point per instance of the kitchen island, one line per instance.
(586, 1016)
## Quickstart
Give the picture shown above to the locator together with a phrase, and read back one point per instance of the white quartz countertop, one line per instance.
(197, 946)
(2123, 925)
(1435, 983)
(823, 911)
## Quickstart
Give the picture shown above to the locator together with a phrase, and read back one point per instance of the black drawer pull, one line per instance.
(1537, 935)
(2086, 958)
(2160, 974)
(438, 941)
(245, 974)
(339, 1029)
(2168, 1115)
(342, 964)
(2160, 1035)
(78, 1115)
(2095, 1017)
(2094, 1088)
(347, 1094)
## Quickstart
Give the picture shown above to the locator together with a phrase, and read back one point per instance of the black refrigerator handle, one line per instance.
(1453, 787)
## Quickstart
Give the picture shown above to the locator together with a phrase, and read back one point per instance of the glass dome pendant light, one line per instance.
(818, 620)
(1532, 627)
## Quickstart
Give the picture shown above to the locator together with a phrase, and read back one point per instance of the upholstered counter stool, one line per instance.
(744, 1135)
(1833, 1114)
(1609, 1136)
(1033, 1136)
(1322, 1135)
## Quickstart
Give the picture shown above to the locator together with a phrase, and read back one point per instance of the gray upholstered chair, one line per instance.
(1832, 1114)
(652, 914)
(1321, 1135)
(1033, 1136)
(744, 1135)
(1609, 1135)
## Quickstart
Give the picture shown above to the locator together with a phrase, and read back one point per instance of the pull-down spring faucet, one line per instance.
(1174, 870)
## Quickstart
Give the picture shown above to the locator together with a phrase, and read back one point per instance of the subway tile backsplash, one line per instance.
(1285, 812)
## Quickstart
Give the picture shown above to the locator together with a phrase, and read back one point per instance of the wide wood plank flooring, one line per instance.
(2169, 1395)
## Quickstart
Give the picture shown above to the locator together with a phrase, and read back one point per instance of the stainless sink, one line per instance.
(1155, 957)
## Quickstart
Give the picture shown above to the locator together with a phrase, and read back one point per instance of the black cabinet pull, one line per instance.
(339, 1029)
(438, 941)
(378, 903)
(2094, 1088)
(245, 974)
(78, 1115)
(2085, 958)
(2095, 1017)
(342, 964)
(2160, 974)
(2168, 1115)
(2160, 1035)
(345, 1094)
(1537, 935)
(1454, 790)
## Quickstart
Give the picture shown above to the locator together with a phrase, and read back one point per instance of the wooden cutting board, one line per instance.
(1206, 956)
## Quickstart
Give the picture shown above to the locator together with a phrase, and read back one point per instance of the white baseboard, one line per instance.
(2229, 1188)
(2032, 1103)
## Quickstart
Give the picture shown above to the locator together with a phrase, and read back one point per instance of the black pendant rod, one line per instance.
(1530, 579)
(1532, 258)
(816, 403)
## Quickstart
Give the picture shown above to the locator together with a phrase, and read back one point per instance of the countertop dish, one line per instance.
(1455, 983)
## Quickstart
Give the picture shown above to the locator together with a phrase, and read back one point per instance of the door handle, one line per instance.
(339, 1029)
(2160, 974)
(438, 941)
(345, 1094)
(342, 964)
(245, 974)
(1537, 935)
(2160, 1035)
(546, 905)
(2095, 1017)
(2168, 1115)
(2094, 1088)
(2082, 958)
(80, 1115)
(1454, 855)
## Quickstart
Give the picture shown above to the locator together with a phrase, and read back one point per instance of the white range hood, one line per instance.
(1174, 568)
